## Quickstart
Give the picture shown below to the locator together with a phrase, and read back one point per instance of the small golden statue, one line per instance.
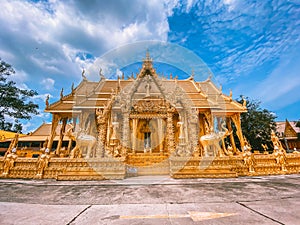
(42, 163)
(9, 161)
(248, 157)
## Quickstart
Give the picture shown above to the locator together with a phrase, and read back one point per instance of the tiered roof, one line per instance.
(90, 95)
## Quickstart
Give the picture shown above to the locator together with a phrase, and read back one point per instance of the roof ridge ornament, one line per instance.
(147, 67)
(72, 88)
(147, 62)
(47, 101)
(192, 75)
(61, 93)
(83, 75)
(102, 77)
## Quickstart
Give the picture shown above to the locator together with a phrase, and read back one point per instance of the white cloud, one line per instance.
(27, 127)
(231, 4)
(50, 42)
(19, 76)
(48, 83)
(282, 86)
(42, 97)
(57, 32)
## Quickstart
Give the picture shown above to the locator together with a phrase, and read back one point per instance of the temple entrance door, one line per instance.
(148, 155)
(147, 142)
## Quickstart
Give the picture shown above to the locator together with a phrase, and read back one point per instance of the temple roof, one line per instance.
(7, 134)
(288, 129)
(41, 134)
(89, 95)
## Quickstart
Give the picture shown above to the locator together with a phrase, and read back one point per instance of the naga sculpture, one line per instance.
(212, 141)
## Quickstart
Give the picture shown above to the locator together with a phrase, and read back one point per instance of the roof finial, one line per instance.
(147, 61)
(61, 93)
(192, 75)
(83, 74)
(47, 101)
(72, 88)
(147, 54)
(102, 77)
(244, 102)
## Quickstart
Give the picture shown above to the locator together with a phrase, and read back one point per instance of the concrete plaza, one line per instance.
(152, 200)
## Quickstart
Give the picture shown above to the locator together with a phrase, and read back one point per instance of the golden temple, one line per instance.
(145, 125)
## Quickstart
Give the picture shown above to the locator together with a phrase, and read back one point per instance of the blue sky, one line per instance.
(251, 47)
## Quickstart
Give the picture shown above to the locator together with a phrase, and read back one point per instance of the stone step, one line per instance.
(207, 173)
(87, 173)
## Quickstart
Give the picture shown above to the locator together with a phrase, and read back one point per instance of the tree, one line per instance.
(298, 123)
(257, 124)
(15, 103)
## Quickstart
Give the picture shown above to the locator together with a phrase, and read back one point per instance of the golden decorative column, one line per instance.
(193, 128)
(170, 130)
(209, 119)
(237, 122)
(160, 134)
(134, 130)
(61, 135)
(55, 120)
(228, 124)
(125, 137)
(101, 128)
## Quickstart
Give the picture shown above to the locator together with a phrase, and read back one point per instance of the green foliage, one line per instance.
(15, 103)
(298, 123)
(257, 124)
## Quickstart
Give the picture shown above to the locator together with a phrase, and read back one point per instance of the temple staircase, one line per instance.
(140, 164)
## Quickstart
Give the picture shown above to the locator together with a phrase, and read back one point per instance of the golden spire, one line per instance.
(147, 61)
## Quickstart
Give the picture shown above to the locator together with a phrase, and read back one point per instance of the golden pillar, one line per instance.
(55, 120)
(134, 134)
(237, 122)
(210, 123)
(228, 124)
(61, 135)
(125, 137)
(101, 129)
(160, 135)
(170, 131)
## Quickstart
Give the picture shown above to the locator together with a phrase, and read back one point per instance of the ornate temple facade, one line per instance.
(146, 125)
(147, 114)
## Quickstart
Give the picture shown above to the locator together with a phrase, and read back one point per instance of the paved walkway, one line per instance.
(152, 200)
